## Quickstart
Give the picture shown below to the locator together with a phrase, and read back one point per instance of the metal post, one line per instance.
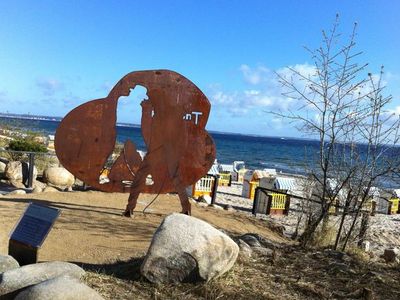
(255, 202)
(30, 171)
(287, 206)
(269, 205)
(214, 189)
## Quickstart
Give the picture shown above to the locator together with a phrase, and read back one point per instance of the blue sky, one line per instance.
(55, 55)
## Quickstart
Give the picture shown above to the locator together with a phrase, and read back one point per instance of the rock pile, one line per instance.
(14, 178)
(3, 165)
(49, 280)
(17, 173)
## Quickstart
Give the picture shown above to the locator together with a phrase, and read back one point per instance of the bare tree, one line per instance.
(345, 111)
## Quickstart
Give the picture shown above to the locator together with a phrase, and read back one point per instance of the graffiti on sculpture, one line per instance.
(179, 149)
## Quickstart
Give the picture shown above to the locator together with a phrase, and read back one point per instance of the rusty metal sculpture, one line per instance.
(179, 149)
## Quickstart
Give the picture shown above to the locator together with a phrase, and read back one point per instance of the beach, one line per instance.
(82, 207)
(91, 233)
(91, 228)
(383, 231)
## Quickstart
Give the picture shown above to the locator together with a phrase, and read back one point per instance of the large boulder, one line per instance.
(188, 249)
(39, 184)
(7, 262)
(3, 165)
(16, 279)
(17, 172)
(58, 177)
(17, 192)
(59, 288)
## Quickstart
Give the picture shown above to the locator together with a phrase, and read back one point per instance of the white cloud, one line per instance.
(221, 98)
(305, 69)
(395, 111)
(264, 92)
(255, 76)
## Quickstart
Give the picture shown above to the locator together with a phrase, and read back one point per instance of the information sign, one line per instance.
(34, 225)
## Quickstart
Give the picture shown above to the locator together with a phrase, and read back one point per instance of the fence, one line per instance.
(207, 185)
(38, 159)
(270, 202)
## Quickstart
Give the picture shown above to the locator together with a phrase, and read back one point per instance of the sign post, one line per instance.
(30, 232)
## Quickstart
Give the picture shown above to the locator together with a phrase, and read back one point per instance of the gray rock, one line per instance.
(266, 252)
(17, 192)
(39, 184)
(58, 177)
(37, 190)
(7, 262)
(229, 207)
(17, 184)
(255, 240)
(216, 206)
(3, 165)
(188, 249)
(17, 172)
(204, 199)
(244, 249)
(14, 280)
(391, 255)
(250, 240)
(50, 189)
(59, 288)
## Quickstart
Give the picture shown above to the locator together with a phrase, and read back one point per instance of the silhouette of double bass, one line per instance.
(179, 149)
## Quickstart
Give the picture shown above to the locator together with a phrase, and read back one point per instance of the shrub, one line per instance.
(26, 144)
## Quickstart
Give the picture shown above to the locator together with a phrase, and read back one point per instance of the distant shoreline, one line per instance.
(122, 124)
(51, 119)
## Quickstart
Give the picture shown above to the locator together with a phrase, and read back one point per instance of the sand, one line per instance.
(92, 230)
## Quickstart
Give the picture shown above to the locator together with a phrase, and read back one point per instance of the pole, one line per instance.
(30, 171)
(214, 189)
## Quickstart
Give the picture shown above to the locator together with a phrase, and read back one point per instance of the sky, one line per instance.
(56, 55)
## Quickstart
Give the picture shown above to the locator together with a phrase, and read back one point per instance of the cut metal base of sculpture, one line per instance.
(179, 149)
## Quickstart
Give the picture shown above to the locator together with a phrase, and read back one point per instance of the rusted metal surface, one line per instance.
(179, 149)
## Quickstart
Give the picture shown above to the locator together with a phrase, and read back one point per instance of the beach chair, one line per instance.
(394, 206)
(204, 187)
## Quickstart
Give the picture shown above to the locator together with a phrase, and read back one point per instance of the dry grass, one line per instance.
(292, 274)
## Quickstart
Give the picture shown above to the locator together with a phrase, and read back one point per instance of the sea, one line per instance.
(286, 155)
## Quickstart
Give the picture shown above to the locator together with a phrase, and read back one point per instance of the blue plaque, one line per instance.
(34, 225)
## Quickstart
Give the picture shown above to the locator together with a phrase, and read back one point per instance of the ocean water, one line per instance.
(288, 155)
